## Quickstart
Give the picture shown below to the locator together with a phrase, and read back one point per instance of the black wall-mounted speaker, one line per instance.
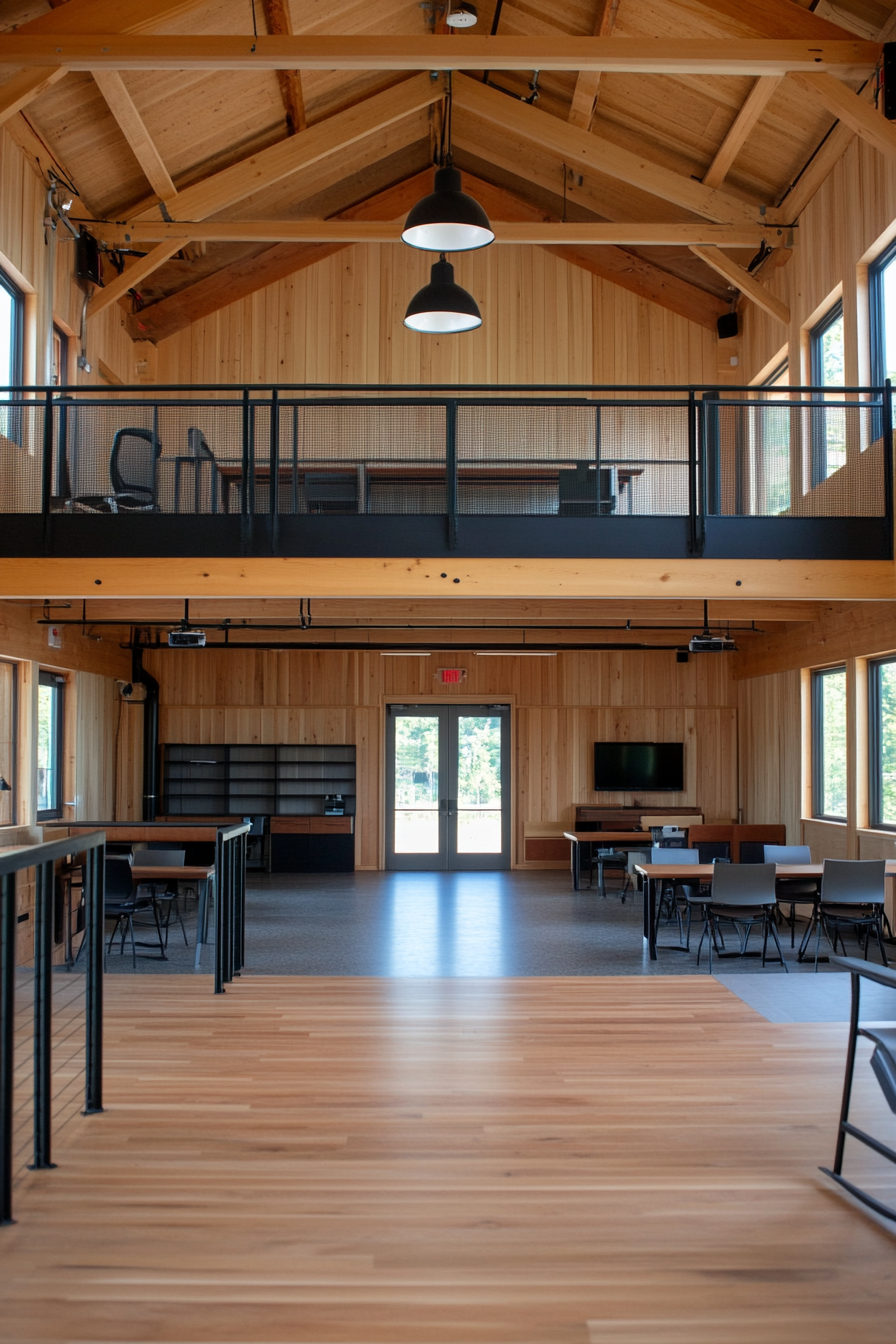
(889, 75)
(727, 326)
(87, 259)
(681, 655)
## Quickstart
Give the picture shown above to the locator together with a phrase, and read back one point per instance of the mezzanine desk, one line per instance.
(693, 873)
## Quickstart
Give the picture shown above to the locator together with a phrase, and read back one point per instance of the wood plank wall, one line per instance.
(544, 321)
(851, 216)
(561, 707)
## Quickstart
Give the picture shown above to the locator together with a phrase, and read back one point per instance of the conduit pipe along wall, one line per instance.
(139, 676)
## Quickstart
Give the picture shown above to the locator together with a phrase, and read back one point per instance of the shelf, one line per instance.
(289, 780)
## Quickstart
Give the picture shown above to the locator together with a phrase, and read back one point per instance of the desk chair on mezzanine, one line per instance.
(133, 474)
(793, 891)
(169, 898)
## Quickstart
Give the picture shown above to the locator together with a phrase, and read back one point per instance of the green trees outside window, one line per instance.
(829, 743)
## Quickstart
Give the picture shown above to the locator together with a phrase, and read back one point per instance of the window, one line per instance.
(882, 741)
(60, 357)
(11, 332)
(882, 294)
(8, 721)
(829, 744)
(50, 701)
(770, 474)
(826, 358)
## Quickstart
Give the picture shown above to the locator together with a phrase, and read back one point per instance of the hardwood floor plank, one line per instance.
(539, 1161)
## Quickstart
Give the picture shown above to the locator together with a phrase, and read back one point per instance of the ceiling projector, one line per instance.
(186, 639)
(708, 643)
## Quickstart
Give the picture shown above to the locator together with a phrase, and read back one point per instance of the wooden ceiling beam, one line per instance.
(584, 98)
(756, 103)
(131, 124)
(744, 281)
(777, 19)
(289, 156)
(82, 17)
(279, 24)
(849, 59)
(507, 231)
(582, 150)
(132, 275)
(861, 117)
(640, 276)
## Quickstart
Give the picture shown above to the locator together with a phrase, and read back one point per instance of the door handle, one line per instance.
(447, 806)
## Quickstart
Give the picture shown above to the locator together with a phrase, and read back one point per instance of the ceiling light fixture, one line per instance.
(447, 220)
(463, 15)
(442, 306)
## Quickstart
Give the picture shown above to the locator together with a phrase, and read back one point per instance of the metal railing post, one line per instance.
(95, 884)
(46, 485)
(221, 922)
(7, 1038)
(43, 1015)
(695, 538)
(451, 471)
(274, 454)
(888, 460)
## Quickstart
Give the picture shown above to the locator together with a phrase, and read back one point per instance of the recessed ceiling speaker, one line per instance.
(727, 326)
(462, 15)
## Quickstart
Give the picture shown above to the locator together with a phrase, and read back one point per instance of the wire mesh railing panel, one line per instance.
(342, 459)
(806, 459)
(23, 1070)
(21, 456)
(69, 1049)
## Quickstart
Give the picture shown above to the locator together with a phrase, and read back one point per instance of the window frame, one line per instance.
(817, 743)
(58, 682)
(60, 374)
(13, 776)
(18, 328)
(875, 745)
(819, 459)
(876, 313)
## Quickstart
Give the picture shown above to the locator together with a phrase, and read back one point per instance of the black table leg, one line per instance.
(575, 852)
(650, 915)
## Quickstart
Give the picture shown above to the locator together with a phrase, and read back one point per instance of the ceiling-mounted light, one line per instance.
(461, 15)
(442, 306)
(447, 220)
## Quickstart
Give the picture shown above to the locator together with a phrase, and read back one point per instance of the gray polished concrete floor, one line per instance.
(485, 925)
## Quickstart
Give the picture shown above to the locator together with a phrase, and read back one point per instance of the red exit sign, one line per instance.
(451, 676)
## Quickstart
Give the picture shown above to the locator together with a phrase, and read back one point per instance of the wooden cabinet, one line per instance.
(312, 844)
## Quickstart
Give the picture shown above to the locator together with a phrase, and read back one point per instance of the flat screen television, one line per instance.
(639, 767)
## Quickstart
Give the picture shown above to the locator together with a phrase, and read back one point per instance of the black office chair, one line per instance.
(610, 860)
(852, 897)
(132, 471)
(743, 895)
(122, 902)
(169, 898)
(586, 490)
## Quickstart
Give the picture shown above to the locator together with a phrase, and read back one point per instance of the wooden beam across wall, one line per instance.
(757, 101)
(861, 117)
(54, 578)
(133, 274)
(849, 59)
(279, 24)
(507, 231)
(743, 280)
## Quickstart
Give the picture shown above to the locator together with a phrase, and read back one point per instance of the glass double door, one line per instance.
(448, 804)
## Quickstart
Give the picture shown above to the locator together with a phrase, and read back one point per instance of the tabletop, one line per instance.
(704, 871)
(638, 839)
(194, 873)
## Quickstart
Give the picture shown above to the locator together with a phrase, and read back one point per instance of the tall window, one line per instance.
(829, 744)
(8, 720)
(50, 703)
(882, 743)
(882, 287)
(828, 370)
(11, 332)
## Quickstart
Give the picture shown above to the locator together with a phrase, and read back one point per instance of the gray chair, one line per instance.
(168, 899)
(852, 897)
(743, 895)
(122, 903)
(793, 891)
(676, 896)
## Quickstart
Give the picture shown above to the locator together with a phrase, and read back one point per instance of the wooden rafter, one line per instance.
(130, 123)
(852, 59)
(289, 156)
(584, 98)
(756, 103)
(133, 274)
(861, 117)
(279, 24)
(744, 281)
(582, 149)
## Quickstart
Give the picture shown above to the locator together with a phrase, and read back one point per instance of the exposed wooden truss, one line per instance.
(139, 270)
(584, 98)
(744, 281)
(853, 59)
(279, 23)
(760, 96)
(859, 116)
(121, 105)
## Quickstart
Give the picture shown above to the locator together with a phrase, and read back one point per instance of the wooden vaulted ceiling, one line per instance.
(242, 145)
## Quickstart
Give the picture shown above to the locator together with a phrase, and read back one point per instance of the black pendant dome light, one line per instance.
(448, 220)
(442, 306)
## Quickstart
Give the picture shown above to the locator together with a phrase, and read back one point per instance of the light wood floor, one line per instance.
(598, 1161)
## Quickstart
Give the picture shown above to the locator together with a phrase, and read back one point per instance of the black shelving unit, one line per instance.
(248, 780)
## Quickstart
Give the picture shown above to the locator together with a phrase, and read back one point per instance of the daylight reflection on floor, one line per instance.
(437, 931)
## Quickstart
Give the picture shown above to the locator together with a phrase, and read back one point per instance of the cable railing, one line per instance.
(51, 1022)
(257, 465)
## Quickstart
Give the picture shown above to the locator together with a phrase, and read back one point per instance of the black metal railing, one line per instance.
(230, 903)
(22, 1093)
(281, 469)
